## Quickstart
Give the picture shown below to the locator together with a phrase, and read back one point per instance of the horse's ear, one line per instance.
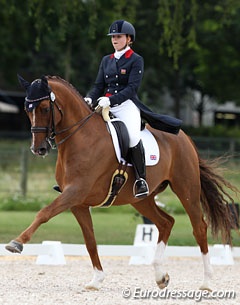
(24, 83)
(44, 82)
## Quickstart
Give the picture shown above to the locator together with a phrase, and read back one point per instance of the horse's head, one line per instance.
(39, 106)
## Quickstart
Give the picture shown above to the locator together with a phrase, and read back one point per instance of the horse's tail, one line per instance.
(215, 200)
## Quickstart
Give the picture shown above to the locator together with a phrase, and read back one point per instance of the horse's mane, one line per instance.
(59, 79)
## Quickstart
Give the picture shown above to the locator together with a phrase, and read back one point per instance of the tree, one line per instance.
(216, 60)
(15, 45)
(218, 54)
(178, 21)
(71, 42)
(179, 43)
(192, 38)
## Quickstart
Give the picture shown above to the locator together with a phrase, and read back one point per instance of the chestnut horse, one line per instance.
(86, 163)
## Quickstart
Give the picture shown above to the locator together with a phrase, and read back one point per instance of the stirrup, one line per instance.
(140, 188)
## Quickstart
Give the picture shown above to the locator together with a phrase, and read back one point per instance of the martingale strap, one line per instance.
(119, 179)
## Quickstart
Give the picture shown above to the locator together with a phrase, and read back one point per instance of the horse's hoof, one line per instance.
(95, 283)
(163, 283)
(204, 287)
(14, 247)
(90, 286)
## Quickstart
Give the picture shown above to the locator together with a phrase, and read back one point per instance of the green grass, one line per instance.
(110, 228)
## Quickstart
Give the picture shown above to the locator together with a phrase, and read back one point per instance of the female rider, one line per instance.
(118, 80)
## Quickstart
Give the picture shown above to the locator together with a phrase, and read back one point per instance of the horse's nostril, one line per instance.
(42, 151)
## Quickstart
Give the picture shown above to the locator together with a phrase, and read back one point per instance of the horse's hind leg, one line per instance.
(189, 195)
(164, 223)
(84, 219)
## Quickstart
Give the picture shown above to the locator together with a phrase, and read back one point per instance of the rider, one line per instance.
(118, 80)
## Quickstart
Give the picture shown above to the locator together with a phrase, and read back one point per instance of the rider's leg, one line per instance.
(129, 113)
(140, 188)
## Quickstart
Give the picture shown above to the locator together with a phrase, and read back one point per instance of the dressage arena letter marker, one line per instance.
(54, 255)
(146, 236)
(221, 255)
(149, 234)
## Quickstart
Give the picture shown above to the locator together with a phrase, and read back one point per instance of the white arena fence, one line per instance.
(141, 252)
(54, 252)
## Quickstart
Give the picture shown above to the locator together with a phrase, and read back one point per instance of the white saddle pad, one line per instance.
(152, 153)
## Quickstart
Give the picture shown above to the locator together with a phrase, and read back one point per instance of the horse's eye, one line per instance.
(45, 110)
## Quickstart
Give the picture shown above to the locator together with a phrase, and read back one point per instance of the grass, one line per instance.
(110, 228)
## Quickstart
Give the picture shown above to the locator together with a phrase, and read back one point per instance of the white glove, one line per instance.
(104, 101)
(88, 100)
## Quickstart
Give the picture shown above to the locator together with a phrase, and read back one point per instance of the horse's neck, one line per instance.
(77, 114)
(74, 108)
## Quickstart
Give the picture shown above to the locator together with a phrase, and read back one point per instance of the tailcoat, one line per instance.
(120, 80)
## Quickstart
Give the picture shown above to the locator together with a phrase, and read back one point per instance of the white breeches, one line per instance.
(129, 113)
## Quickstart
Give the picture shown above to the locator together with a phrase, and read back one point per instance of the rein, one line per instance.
(81, 123)
(51, 131)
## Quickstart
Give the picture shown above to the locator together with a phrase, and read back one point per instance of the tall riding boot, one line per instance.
(140, 188)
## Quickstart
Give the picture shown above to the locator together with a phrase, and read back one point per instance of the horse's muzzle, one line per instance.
(41, 150)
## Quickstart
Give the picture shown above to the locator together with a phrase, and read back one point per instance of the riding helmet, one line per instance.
(122, 27)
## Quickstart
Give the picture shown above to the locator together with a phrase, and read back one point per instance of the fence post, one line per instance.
(232, 146)
(24, 171)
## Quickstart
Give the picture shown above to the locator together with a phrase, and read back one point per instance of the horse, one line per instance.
(85, 165)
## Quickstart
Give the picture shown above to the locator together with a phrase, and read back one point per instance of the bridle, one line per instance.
(51, 129)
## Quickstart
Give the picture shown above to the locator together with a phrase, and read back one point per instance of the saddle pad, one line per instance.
(152, 153)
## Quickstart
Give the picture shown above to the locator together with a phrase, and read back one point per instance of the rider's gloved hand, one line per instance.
(88, 100)
(103, 101)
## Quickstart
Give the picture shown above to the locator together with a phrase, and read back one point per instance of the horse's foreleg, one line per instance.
(56, 207)
(164, 223)
(84, 219)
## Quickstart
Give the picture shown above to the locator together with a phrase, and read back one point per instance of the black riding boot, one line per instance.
(140, 188)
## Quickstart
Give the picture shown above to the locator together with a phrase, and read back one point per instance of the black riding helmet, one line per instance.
(122, 27)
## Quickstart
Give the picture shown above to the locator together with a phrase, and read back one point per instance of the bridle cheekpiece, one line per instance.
(38, 91)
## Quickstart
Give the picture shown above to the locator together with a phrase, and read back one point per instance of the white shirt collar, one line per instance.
(118, 54)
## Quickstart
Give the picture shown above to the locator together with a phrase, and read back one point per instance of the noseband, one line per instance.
(51, 130)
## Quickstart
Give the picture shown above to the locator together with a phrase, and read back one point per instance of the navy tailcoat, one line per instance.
(120, 80)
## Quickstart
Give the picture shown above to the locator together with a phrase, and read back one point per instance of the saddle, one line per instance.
(120, 139)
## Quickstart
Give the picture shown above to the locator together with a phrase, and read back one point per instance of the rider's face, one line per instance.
(120, 41)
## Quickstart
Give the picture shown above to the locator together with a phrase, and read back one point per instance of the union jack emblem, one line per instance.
(153, 157)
